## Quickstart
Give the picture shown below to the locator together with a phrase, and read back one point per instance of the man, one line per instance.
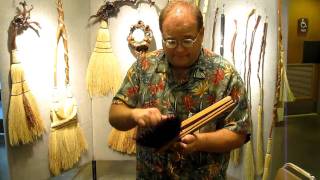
(183, 79)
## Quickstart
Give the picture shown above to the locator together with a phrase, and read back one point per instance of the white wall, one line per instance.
(31, 160)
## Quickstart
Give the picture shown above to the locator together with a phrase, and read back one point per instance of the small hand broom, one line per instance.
(103, 72)
(24, 122)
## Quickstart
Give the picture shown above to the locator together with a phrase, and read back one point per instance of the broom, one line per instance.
(282, 86)
(103, 72)
(234, 154)
(103, 76)
(259, 145)
(24, 122)
(66, 141)
(249, 163)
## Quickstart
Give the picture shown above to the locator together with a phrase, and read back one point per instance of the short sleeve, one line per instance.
(238, 120)
(129, 90)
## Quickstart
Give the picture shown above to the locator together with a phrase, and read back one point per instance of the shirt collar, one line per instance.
(198, 69)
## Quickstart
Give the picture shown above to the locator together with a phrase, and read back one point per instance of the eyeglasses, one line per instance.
(187, 43)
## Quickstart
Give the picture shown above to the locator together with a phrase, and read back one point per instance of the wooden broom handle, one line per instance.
(61, 33)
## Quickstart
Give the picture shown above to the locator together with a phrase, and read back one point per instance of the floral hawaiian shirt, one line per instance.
(150, 83)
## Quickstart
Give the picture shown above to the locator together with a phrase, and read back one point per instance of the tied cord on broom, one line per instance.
(259, 144)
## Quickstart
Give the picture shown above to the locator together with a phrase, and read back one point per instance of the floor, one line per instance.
(298, 141)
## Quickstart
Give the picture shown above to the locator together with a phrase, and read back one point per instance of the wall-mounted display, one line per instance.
(24, 122)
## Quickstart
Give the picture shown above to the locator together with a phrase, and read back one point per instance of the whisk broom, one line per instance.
(103, 72)
(24, 122)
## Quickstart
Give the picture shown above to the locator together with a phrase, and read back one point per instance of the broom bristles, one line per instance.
(17, 124)
(22, 107)
(235, 156)
(31, 107)
(267, 160)
(123, 141)
(103, 71)
(249, 172)
(259, 148)
(65, 147)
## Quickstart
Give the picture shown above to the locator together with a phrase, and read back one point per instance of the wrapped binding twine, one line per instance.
(169, 131)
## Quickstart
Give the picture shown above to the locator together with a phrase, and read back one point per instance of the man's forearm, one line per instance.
(120, 117)
(222, 140)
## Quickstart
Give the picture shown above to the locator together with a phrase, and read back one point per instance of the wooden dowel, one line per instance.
(204, 112)
(206, 119)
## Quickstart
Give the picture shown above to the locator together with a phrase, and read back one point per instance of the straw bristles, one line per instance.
(267, 161)
(32, 112)
(249, 172)
(235, 156)
(123, 141)
(103, 72)
(24, 122)
(259, 148)
(65, 147)
(17, 124)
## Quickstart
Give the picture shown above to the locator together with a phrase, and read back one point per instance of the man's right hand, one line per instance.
(148, 117)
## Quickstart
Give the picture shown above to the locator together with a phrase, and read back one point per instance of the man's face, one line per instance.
(180, 25)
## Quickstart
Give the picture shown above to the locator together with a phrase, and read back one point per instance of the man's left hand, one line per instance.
(187, 144)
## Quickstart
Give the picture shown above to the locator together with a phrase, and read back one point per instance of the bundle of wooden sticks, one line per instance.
(166, 133)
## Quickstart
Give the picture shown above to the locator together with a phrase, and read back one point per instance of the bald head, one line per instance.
(180, 6)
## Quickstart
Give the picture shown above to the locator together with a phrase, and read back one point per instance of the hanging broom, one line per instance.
(260, 108)
(103, 76)
(249, 163)
(103, 72)
(24, 122)
(234, 154)
(282, 86)
(66, 141)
